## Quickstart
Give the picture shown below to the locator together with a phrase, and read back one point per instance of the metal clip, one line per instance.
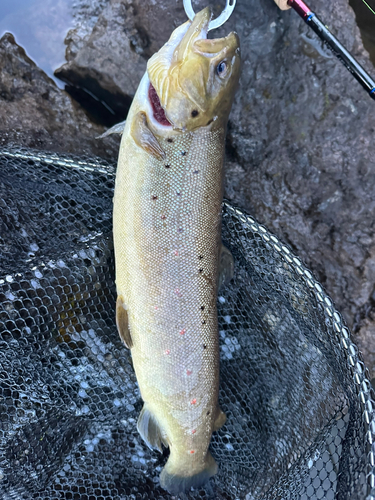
(219, 21)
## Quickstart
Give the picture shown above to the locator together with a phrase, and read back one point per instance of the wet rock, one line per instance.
(110, 62)
(366, 23)
(108, 66)
(34, 112)
(302, 151)
(85, 14)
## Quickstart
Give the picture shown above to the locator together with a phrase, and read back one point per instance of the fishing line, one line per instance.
(369, 7)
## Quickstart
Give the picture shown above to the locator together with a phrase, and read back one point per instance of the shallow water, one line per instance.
(40, 27)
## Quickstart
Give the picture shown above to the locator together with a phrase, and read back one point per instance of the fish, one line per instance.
(167, 242)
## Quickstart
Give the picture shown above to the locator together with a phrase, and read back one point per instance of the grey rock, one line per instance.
(34, 112)
(366, 23)
(107, 66)
(110, 61)
(85, 14)
(302, 151)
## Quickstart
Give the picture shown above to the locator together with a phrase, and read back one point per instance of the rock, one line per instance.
(302, 151)
(85, 15)
(108, 66)
(110, 62)
(366, 23)
(34, 112)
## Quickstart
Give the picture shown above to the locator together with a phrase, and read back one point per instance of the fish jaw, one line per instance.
(185, 75)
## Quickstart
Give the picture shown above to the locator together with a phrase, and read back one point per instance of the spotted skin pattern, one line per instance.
(168, 270)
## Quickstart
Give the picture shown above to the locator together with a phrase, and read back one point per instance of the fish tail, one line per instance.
(176, 480)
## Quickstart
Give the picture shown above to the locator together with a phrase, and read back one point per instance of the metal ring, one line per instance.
(219, 21)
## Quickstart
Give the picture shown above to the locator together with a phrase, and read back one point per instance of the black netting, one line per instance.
(299, 406)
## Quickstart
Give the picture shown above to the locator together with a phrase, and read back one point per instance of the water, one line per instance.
(40, 27)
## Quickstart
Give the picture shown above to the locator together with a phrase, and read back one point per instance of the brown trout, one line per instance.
(167, 237)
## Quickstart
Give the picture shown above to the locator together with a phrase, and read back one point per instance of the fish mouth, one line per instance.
(157, 110)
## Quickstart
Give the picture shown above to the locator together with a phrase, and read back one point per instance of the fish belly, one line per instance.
(167, 234)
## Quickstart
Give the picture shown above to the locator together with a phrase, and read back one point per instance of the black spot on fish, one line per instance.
(183, 153)
(202, 307)
(204, 346)
(154, 197)
(194, 113)
(167, 166)
(208, 412)
(201, 270)
(203, 322)
(169, 139)
(196, 172)
(200, 257)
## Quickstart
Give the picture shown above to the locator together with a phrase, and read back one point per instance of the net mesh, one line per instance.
(295, 390)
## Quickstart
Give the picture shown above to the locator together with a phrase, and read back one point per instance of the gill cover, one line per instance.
(194, 77)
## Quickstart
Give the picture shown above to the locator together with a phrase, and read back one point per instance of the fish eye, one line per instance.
(221, 68)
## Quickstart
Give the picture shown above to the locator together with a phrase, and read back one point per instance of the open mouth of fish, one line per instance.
(158, 111)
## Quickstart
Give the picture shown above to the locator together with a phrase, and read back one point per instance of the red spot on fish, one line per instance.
(163, 217)
(158, 111)
(167, 351)
(156, 308)
(192, 451)
(176, 253)
(178, 292)
(193, 401)
(188, 372)
(182, 332)
(194, 431)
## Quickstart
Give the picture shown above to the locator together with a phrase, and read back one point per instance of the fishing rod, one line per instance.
(337, 48)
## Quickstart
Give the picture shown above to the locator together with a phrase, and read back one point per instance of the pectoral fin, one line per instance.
(220, 419)
(144, 138)
(116, 129)
(123, 323)
(226, 266)
(150, 431)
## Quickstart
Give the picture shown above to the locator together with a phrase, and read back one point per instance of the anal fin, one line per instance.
(220, 419)
(122, 322)
(144, 138)
(150, 431)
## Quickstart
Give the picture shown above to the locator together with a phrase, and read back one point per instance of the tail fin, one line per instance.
(174, 481)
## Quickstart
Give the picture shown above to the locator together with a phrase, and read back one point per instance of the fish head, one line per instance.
(193, 78)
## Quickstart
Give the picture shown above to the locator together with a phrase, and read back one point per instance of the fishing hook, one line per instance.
(219, 21)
